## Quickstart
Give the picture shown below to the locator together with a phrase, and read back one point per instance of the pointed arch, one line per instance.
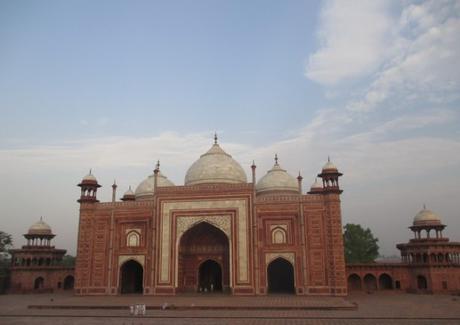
(131, 277)
(280, 276)
(203, 241)
(279, 236)
(133, 239)
(354, 282)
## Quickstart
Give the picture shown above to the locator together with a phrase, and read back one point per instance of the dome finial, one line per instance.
(328, 158)
(41, 218)
(424, 206)
(215, 137)
(157, 166)
(90, 170)
(276, 159)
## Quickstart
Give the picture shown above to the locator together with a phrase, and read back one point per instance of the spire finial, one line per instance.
(90, 170)
(41, 218)
(424, 206)
(129, 188)
(276, 159)
(157, 166)
(328, 158)
(215, 137)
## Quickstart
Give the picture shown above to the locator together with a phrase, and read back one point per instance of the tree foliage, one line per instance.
(6, 242)
(360, 244)
(68, 260)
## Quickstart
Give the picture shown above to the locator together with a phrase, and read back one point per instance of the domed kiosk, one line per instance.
(37, 266)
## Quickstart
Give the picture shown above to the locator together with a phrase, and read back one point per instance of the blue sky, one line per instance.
(116, 85)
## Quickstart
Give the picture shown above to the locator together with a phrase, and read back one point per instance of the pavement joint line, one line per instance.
(238, 317)
(122, 307)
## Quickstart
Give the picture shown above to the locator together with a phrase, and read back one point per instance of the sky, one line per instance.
(116, 85)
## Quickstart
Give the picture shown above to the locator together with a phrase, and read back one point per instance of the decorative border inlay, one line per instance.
(287, 256)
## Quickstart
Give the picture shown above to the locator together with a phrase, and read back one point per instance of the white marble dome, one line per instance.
(215, 166)
(316, 185)
(90, 177)
(426, 216)
(146, 188)
(277, 179)
(129, 192)
(329, 165)
(40, 228)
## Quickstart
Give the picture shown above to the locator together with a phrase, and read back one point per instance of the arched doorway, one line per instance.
(131, 277)
(68, 282)
(39, 283)
(354, 282)
(210, 276)
(422, 284)
(203, 259)
(370, 282)
(280, 276)
(385, 282)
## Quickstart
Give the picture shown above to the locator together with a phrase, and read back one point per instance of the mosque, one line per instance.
(218, 232)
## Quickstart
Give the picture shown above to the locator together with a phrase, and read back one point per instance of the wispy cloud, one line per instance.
(354, 37)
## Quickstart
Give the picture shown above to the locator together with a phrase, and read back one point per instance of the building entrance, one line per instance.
(203, 260)
(131, 277)
(280, 275)
(210, 275)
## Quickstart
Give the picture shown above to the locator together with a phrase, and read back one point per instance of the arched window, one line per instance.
(133, 239)
(278, 236)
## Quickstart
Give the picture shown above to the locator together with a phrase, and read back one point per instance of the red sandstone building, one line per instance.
(217, 232)
(430, 263)
(37, 266)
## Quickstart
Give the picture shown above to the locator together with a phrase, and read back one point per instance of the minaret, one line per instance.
(299, 180)
(89, 188)
(253, 169)
(114, 191)
(333, 222)
(156, 171)
(330, 176)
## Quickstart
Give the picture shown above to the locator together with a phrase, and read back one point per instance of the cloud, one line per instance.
(354, 37)
(423, 61)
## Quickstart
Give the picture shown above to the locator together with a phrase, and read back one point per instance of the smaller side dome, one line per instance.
(426, 217)
(146, 188)
(277, 180)
(129, 195)
(40, 228)
(316, 187)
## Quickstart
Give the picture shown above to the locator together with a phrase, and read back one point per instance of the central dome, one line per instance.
(215, 166)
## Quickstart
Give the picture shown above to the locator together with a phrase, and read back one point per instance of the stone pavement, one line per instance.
(379, 308)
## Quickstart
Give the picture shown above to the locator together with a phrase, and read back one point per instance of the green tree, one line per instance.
(6, 242)
(68, 260)
(360, 244)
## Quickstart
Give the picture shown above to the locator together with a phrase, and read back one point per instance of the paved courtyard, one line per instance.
(379, 308)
